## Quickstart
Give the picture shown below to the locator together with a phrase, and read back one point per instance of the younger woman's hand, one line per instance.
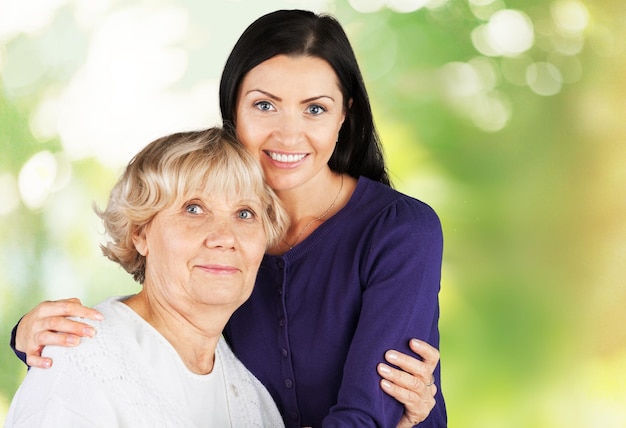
(47, 324)
(413, 384)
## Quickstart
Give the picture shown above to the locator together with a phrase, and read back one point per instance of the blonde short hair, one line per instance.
(168, 170)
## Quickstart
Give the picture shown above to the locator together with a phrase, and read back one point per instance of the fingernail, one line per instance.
(88, 331)
(99, 316)
(385, 384)
(392, 355)
(416, 343)
(72, 340)
(384, 368)
(47, 364)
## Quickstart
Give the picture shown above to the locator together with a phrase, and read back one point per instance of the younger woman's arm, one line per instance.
(47, 324)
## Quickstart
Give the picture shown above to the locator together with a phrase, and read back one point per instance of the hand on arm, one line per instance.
(412, 384)
(47, 324)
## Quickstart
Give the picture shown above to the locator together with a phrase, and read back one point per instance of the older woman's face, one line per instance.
(206, 250)
(289, 113)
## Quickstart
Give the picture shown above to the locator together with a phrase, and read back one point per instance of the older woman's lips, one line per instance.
(219, 269)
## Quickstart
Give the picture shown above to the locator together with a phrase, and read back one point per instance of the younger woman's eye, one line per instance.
(246, 214)
(316, 109)
(193, 209)
(264, 105)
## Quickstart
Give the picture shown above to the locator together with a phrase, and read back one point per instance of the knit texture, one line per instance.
(110, 381)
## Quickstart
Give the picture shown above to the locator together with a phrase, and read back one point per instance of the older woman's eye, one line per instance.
(264, 105)
(193, 209)
(246, 214)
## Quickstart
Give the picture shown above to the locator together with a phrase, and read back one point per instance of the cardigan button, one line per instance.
(288, 383)
(280, 263)
(284, 352)
(281, 322)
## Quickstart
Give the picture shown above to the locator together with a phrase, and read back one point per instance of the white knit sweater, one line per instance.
(128, 375)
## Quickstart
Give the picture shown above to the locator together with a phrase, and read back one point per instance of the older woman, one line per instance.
(190, 219)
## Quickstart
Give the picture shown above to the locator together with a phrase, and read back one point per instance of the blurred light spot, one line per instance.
(434, 4)
(127, 81)
(544, 78)
(59, 276)
(568, 44)
(461, 79)
(44, 119)
(570, 16)
(22, 67)
(469, 88)
(26, 16)
(367, 6)
(41, 175)
(466, 79)
(379, 47)
(36, 179)
(406, 6)
(509, 32)
(9, 194)
(569, 66)
(88, 12)
(480, 40)
(490, 112)
(605, 43)
(514, 69)
(487, 70)
(481, 2)
(64, 172)
(484, 9)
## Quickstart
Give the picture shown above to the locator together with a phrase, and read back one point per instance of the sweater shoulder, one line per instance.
(385, 204)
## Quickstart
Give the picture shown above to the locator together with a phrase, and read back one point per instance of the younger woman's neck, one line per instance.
(310, 199)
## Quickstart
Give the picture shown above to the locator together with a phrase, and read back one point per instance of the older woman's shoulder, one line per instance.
(109, 340)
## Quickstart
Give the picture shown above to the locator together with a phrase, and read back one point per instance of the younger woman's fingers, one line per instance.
(59, 324)
(40, 362)
(66, 307)
(414, 382)
(426, 352)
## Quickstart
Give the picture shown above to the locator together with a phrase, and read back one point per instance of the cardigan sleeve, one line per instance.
(19, 354)
(400, 280)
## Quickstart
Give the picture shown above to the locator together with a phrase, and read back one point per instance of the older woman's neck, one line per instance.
(193, 335)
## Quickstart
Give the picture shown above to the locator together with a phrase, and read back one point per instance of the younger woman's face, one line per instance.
(289, 113)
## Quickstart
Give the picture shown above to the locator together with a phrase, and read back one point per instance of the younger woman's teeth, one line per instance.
(279, 157)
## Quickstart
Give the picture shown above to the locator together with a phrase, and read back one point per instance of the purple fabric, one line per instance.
(322, 315)
(19, 354)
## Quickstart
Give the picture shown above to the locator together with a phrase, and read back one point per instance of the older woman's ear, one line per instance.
(139, 239)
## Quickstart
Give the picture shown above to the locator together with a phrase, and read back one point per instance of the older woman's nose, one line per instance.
(220, 234)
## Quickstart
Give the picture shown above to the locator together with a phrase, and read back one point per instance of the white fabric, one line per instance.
(129, 375)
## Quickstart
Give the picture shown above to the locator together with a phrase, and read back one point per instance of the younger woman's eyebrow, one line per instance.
(267, 94)
(308, 100)
(274, 97)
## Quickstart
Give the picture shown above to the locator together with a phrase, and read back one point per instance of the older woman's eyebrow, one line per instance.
(249, 201)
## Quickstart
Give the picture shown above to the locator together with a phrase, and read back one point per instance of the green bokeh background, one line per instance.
(533, 290)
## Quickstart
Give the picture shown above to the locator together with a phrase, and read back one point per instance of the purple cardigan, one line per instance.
(322, 315)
